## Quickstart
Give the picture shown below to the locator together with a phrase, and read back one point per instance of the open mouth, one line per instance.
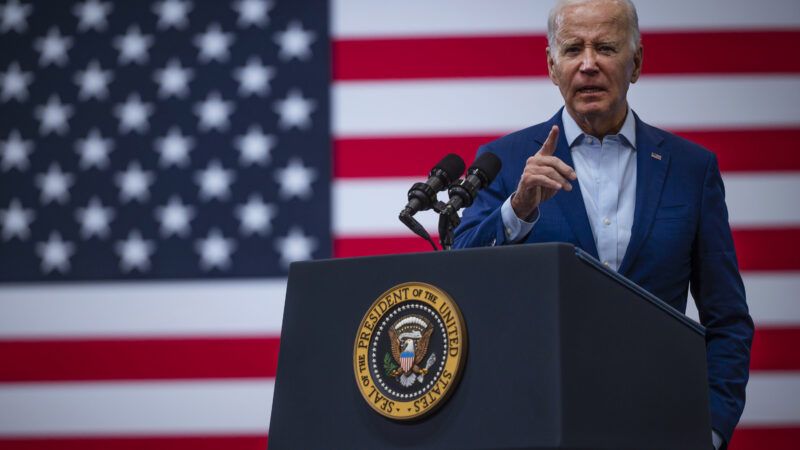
(590, 90)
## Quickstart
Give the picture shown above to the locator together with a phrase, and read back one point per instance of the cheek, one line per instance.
(558, 72)
(552, 72)
(561, 79)
(553, 77)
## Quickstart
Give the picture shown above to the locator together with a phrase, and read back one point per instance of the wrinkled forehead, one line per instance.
(592, 22)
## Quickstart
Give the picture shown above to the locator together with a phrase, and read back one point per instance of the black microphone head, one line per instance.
(487, 166)
(451, 166)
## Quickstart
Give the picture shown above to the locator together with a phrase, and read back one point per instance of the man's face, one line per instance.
(593, 63)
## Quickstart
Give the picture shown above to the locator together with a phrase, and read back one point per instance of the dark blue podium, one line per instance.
(563, 354)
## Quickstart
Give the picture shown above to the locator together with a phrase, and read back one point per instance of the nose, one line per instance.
(589, 60)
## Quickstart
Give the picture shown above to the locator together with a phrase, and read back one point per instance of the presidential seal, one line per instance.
(409, 351)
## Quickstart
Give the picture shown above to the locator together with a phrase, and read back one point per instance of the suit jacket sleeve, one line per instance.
(719, 293)
(482, 223)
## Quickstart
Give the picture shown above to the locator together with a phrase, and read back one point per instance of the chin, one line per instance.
(592, 110)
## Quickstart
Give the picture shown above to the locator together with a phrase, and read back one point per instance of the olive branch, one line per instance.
(389, 366)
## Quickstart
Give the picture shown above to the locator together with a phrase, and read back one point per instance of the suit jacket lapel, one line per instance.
(571, 203)
(652, 162)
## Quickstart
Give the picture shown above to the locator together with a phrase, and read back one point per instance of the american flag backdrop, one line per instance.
(162, 162)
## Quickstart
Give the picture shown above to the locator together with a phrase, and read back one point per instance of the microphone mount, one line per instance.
(448, 221)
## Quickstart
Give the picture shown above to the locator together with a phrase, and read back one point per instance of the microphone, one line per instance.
(422, 196)
(479, 175)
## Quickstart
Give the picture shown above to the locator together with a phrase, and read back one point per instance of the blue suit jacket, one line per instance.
(680, 238)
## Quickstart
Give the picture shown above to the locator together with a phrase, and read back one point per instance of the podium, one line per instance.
(563, 354)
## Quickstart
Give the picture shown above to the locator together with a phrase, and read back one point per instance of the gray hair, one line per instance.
(555, 20)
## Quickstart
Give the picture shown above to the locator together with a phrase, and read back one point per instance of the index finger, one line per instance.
(549, 146)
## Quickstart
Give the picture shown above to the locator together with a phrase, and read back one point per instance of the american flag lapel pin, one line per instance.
(655, 155)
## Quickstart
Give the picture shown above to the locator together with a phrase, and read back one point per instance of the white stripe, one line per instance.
(240, 406)
(175, 308)
(707, 101)
(142, 309)
(368, 18)
(41, 311)
(717, 14)
(149, 408)
(370, 206)
(773, 398)
(489, 106)
(772, 298)
(763, 200)
(446, 106)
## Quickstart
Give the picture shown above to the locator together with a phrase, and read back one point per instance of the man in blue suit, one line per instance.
(643, 201)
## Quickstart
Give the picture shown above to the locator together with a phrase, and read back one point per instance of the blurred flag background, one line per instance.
(161, 164)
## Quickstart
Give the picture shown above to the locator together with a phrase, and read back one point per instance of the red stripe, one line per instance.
(441, 57)
(762, 438)
(757, 249)
(745, 438)
(768, 249)
(776, 349)
(399, 156)
(743, 150)
(137, 443)
(722, 52)
(134, 359)
(379, 245)
(737, 150)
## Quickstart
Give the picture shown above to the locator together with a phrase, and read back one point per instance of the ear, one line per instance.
(551, 66)
(637, 64)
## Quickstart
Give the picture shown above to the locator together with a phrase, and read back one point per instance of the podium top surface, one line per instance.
(562, 247)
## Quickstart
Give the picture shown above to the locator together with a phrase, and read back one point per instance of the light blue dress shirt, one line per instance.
(606, 170)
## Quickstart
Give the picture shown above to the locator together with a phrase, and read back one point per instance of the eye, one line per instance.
(606, 49)
(571, 50)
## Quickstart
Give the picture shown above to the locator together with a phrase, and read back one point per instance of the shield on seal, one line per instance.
(407, 356)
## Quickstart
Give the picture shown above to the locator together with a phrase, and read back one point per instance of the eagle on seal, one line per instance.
(409, 339)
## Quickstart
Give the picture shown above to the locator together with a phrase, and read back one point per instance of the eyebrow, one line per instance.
(568, 42)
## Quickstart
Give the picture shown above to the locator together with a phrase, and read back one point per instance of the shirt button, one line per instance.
(605, 263)
(606, 222)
